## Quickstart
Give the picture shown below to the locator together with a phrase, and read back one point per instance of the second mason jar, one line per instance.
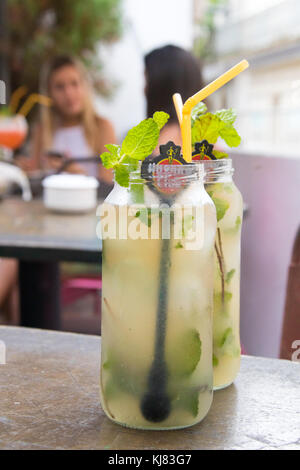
(156, 359)
(226, 318)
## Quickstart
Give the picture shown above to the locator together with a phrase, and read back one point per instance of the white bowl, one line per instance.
(70, 193)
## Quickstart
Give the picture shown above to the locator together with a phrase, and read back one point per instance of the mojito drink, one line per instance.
(132, 298)
(207, 129)
(226, 317)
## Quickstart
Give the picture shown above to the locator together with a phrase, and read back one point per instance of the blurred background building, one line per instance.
(267, 32)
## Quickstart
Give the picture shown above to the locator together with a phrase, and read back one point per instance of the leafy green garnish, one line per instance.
(229, 276)
(227, 337)
(184, 354)
(238, 222)
(219, 305)
(230, 135)
(122, 175)
(236, 227)
(187, 224)
(160, 118)
(188, 399)
(141, 140)
(186, 396)
(210, 126)
(228, 188)
(221, 205)
(198, 110)
(215, 361)
(179, 245)
(227, 115)
(144, 214)
(109, 160)
(139, 143)
(206, 127)
(219, 154)
(137, 193)
(121, 379)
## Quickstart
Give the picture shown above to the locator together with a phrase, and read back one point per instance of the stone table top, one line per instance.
(30, 231)
(49, 399)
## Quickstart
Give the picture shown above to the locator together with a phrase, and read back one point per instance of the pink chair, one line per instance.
(75, 288)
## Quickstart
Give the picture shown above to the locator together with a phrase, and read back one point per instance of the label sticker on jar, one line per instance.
(203, 151)
(168, 173)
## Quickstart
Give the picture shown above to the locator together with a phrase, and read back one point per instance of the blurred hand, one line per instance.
(26, 164)
(56, 162)
(75, 169)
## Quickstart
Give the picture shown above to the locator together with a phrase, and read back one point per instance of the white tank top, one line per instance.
(71, 141)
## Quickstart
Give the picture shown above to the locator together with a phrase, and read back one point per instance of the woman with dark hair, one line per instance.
(168, 70)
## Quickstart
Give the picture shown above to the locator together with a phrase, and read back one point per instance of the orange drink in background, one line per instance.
(13, 130)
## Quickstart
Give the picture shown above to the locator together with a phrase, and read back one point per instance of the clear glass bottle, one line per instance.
(157, 296)
(226, 319)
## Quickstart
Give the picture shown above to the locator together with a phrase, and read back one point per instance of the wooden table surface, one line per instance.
(29, 231)
(49, 399)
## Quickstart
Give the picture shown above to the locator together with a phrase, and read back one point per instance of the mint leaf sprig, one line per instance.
(139, 143)
(210, 126)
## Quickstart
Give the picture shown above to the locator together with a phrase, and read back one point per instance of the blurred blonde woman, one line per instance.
(70, 127)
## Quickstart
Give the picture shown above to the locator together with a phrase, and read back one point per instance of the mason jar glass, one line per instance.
(227, 252)
(157, 299)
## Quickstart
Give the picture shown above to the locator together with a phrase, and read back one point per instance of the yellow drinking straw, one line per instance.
(178, 106)
(16, 98)
(32, 100)
(185, 124)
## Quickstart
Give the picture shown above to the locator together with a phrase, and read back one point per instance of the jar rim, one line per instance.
(190, 171)
(219, 167)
